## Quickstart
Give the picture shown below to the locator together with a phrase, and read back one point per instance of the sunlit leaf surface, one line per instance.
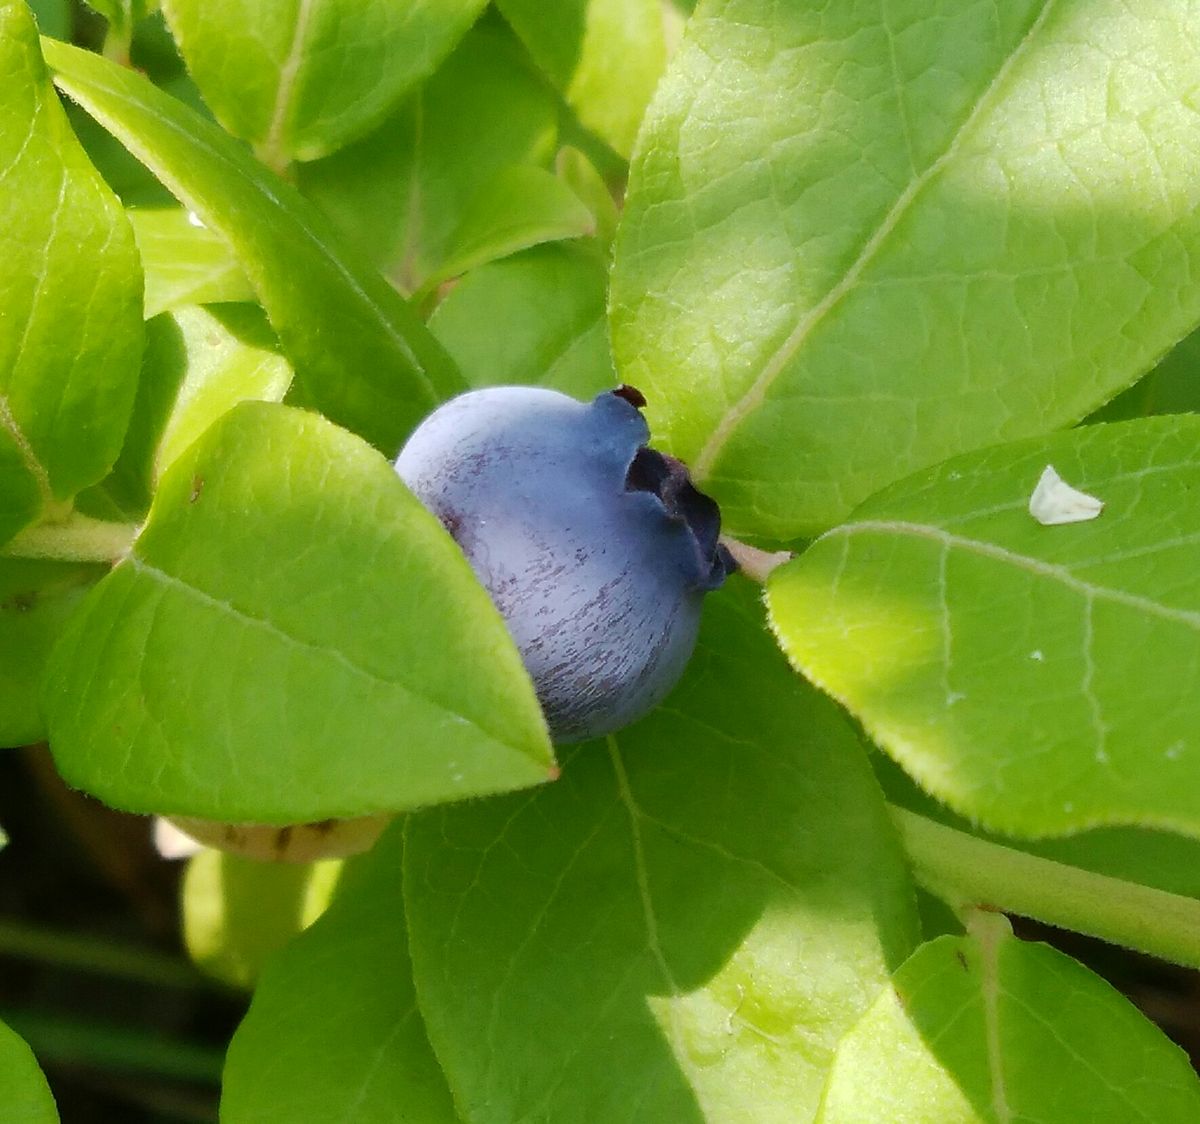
(861, 238)
(293, 637)
(1037, 679)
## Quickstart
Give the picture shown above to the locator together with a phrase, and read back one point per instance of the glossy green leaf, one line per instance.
(23, 1090)
(70, 291)
(199, 363)
(682, 926)
(989, 1029)
(400, 195)
(232, 357)
(844, 258)
(523, 206)
(1037, 679)
(185, 262)
(350, 663)
(537, 317)
(605, 55)
(36, 600)
(360, 354)
(238, 912)
(302, 78)
(334, 1032)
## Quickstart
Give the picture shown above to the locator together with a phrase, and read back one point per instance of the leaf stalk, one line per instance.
(970, 873)
(79, 538)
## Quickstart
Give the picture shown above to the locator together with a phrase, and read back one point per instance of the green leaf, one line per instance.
(70, 291)
(185, 262)
(536, 317)
(334, 1032)
(682, 927)
(400, 195)
(360, 354)
(23, 1090)
(523, 206)
(979, 1030)
(200, 362)
(1037, 679)
(36, 600)
(301, 79)
(350, 661)
(238, 912)
(844, 260)
(605, 55)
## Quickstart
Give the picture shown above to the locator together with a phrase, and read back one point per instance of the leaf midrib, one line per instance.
(170, 581)
(288, 73)
(752, 398)
(72, 87)
(1049, 570)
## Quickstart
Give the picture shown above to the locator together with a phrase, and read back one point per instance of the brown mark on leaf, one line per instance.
(197, 488)
(20, 602)
(961, 957)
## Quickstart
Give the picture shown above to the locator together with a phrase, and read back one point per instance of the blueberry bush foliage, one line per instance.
(874, 265)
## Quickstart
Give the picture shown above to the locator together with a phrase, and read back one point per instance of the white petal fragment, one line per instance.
(1054, 501)
(171, 843)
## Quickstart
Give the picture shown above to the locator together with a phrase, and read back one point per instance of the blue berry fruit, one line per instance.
(596, 549)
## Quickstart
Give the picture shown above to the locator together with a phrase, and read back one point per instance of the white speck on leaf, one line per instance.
(1173, 751)
(1054, 501)
(1036, 654)
(195, 220)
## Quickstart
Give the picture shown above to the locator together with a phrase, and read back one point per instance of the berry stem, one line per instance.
(970, 873)
(754, 563)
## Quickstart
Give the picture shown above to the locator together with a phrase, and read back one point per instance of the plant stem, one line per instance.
(969, 873)
(754, 563)
(70, 1041)
(118, 42)
(87, 954)
(77, 538)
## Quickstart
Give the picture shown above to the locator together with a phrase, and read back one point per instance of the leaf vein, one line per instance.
(195, 203)
(1050, 570)
(273, 146)
(777, 362)
(170, 581)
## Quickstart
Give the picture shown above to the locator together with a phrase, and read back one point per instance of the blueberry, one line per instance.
(596, 549)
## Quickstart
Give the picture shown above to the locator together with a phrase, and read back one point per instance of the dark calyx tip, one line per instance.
(668, 479)
(631, 394)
